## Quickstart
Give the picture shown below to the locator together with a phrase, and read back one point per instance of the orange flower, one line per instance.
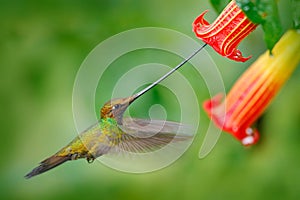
(228, 30)
(255, 89)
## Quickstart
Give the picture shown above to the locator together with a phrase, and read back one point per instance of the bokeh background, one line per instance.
(42, 45)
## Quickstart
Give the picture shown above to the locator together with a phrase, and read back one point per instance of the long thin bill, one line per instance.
(167, 74)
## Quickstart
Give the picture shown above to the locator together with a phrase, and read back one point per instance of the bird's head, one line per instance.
(115, 108)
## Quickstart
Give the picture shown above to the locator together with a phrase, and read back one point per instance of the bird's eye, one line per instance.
(116, 106)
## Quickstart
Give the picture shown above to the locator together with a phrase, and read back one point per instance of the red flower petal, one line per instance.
(227, 31)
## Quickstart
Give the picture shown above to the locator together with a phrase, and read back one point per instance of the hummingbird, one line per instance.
(114, 133)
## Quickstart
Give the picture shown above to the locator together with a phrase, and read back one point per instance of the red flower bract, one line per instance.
(227, 31)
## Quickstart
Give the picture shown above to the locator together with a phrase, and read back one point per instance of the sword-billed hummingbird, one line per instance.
(114, 133)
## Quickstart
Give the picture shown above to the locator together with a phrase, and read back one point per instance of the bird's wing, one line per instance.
(142, 135)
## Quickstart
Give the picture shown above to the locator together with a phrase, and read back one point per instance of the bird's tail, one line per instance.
(48, 164)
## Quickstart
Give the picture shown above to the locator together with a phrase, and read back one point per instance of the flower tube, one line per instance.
(227, 31)
(255, 89)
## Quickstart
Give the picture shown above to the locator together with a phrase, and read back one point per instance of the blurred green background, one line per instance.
(42, 45)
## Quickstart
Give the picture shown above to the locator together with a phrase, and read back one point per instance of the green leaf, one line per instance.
(296, 13)
(251, 10)
(219, 5)
(264, 12)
